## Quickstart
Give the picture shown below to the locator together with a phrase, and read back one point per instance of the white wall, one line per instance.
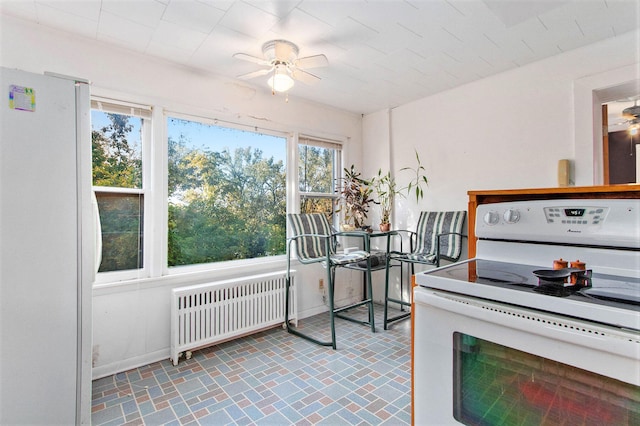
(505, 131)
(131, 321)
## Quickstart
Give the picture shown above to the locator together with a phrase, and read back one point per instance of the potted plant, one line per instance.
(387, 189)
(355, 197)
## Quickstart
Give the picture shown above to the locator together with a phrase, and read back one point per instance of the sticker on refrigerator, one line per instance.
(22, 98)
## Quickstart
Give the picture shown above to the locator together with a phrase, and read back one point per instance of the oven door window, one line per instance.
(498, 385)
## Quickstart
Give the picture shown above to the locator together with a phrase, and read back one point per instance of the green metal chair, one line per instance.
(316, 243)
(438, 236)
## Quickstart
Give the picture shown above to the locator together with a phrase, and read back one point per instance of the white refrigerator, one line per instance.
(46, 250)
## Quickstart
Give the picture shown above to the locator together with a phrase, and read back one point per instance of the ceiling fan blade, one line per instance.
(254, 74)
(249, 58)
(304, 76)
(315, 61)
(631, 112)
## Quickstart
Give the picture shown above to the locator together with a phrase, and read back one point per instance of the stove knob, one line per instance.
(491, 218)
(511, 216)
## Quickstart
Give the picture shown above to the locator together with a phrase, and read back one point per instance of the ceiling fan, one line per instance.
(632, 115)
(281, 60)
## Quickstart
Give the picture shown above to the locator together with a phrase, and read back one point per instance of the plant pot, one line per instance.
(385, 227)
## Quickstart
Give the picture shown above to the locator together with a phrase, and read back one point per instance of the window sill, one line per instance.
(189, 275)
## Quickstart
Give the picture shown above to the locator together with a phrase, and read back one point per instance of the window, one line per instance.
(118, 131)
(318, 168)
(198, 191)
(226, 193)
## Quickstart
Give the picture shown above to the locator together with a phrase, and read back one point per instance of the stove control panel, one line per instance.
(601, 222)
(576, 215)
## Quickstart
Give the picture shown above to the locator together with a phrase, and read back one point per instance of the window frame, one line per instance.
(338, 156)
(145, 113)
(226, 264)
(155, 192)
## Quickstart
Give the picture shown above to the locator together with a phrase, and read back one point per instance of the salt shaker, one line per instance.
(560, 264)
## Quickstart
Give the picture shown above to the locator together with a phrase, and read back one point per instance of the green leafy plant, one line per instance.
(419, 178)
(355, 197)
(387, 188)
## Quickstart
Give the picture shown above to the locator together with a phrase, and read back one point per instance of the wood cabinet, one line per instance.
(571, 192)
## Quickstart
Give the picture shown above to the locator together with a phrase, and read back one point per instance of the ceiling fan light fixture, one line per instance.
(634, 126)
(280, 81)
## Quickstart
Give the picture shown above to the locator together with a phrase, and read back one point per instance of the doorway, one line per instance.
(620, 142)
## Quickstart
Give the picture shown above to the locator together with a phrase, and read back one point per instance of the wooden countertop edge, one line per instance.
(561, 190)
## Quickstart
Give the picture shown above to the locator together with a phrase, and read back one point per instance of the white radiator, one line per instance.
(210, 313)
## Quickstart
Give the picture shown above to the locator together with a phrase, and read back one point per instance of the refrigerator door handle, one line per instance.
(97, 226)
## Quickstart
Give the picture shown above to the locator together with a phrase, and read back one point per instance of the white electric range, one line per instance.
(505, 338)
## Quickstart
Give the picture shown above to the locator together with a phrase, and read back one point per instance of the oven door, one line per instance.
(479, 362)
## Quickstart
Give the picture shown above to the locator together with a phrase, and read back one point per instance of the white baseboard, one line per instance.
(164, 354)
(129, 364)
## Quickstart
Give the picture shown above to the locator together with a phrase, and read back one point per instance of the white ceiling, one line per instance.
(382, 53)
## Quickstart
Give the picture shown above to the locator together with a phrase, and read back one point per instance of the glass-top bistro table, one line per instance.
(379, 259)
